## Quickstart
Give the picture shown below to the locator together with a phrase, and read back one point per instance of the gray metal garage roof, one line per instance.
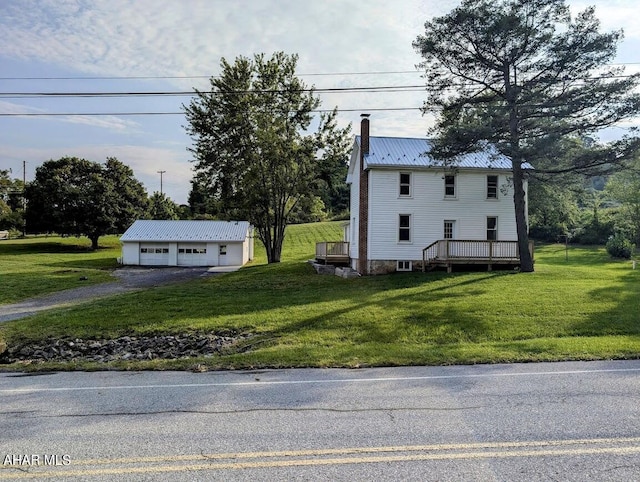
(155, 230)
(407, 152)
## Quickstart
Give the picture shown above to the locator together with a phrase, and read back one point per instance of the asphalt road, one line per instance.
(564, 421)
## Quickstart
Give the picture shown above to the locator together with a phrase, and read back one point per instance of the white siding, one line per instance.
(247, 248)
(182, 254)
(429, 208)
(131, 253)
(354, 206)
(233, 256)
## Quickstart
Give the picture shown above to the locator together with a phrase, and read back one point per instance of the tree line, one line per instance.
(78, 197)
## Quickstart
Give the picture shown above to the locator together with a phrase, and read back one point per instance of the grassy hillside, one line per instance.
(300, 241)
(584, 308)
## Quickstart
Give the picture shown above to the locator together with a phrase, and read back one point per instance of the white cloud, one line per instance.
(165, 37)
(13, 108)
(106, 122)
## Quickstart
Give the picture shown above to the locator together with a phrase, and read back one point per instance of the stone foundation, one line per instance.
(375, 267)
(390, 266)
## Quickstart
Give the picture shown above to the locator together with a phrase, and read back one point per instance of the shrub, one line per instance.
(620, 247)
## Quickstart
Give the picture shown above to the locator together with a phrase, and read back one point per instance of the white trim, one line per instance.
(404, 266)
(453, 228)
(410, 228)
(401, 184)
(495, 229)
(455, 187)
(493, 198)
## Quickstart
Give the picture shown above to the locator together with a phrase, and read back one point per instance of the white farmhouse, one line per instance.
(409, 212)
(187, 243)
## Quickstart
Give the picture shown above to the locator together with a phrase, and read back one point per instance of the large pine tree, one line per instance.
(523, 75)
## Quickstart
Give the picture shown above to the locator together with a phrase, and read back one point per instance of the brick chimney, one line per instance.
(363, 212)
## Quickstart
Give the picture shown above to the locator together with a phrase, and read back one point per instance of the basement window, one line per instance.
(403, 266)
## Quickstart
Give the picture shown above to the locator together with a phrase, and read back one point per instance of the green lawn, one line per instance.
(40, 265)
(585, 308)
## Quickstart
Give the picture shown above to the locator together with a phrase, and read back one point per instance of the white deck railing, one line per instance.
(332, 249)
(455, 249)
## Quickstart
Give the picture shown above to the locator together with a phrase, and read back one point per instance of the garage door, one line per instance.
(154, 254)
(192, 254)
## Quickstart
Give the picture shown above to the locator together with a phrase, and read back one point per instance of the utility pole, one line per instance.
(161, 173)
(24, 199)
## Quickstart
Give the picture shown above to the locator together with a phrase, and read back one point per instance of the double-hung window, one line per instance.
(404, 228)
(492, 228)
(492, 187)
(449, 186)
(405, 184)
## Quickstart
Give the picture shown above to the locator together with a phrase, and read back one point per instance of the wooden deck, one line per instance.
(333, 252)
(446, 253)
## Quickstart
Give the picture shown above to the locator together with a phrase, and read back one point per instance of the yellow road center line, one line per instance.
(445, 453)
(359, 450)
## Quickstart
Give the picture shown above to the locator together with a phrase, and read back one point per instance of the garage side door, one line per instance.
(154, 254)
(192, 254)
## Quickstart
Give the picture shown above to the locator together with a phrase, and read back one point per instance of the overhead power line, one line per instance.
(191, 93)
(337, 90)
(186, 77)
(80, 114)
(374, 89)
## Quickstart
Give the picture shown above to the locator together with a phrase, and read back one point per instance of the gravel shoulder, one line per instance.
(128, 279)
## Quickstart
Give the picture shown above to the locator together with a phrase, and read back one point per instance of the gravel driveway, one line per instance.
(129, 279)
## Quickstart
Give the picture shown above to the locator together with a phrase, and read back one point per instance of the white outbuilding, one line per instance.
(187, 243)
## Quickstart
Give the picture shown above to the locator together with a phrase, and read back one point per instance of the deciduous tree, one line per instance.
(253, 152)
(11, 201)
(82, 198)
(624, 187)
(523, 75)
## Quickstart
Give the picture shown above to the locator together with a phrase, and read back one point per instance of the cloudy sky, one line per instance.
(72, 46)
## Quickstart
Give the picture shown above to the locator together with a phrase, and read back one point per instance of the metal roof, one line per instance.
(156, 230)
(408, 152)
